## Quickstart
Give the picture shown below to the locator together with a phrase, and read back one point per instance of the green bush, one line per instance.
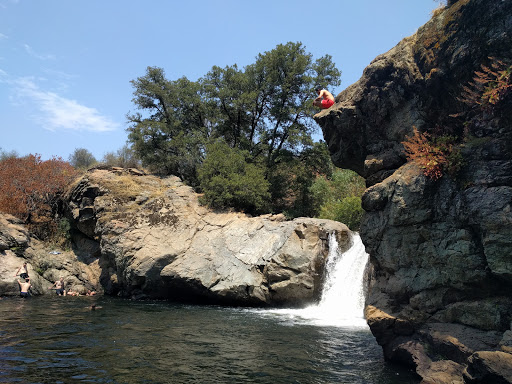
(229, 181)
(61, 238)
(292, 179)
(63, 229)
(347, 211)
(339, 197)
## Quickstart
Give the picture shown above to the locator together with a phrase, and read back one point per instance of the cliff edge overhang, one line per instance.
(415, 84)
(440, 250)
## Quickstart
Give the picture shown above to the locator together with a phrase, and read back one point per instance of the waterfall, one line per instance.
(342, 299)
(343, 292)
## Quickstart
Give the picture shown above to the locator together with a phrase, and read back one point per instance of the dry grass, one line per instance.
(127, 194)
(123, 187)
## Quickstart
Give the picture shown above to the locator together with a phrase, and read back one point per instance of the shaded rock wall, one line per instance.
(441, 251)
(414, 84)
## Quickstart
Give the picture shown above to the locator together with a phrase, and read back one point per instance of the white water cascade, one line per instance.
(342, 300)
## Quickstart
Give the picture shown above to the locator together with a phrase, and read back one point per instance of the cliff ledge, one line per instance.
(440, 250)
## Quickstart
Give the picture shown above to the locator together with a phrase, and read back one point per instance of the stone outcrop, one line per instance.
(157, 241)
(45, 265)
(410, 84)
(14, 240)
(440, 251)
(142, 236)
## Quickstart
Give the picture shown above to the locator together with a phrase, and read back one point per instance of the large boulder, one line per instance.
(255, 260)
(440, 250)
(157, 241)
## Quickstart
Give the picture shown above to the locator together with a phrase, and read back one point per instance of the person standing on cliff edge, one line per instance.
(325, 98)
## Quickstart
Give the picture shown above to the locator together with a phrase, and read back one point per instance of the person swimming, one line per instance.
(24, 287)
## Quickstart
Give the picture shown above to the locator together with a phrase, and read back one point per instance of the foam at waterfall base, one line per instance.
(342, 299)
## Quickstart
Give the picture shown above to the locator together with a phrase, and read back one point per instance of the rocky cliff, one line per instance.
(441, 250)
(155, 240)
(142, 236)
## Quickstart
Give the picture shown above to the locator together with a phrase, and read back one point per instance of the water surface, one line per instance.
(59, 340)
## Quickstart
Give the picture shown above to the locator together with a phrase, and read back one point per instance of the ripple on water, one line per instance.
(51, 340)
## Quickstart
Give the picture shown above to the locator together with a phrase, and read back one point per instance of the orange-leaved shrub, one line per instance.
(30, 188)
(434, 155)
(485, 95)
(489, 86)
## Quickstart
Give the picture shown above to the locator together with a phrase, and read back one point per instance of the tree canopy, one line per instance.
(263, 110)
(170, 130)
(82, 158)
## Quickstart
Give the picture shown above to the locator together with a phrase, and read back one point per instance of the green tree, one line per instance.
(339, 197)
(81, 158)
(264, 109)
(228, 180)
(267, 107)
(231, 97)
(170, 131)
(288, 89)
(124, 157)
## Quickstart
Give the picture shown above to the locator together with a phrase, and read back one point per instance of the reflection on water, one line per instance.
(59, 340)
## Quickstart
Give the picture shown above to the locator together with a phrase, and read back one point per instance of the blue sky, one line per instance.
(66, 65)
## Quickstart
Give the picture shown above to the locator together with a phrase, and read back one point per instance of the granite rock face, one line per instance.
(157, 241)
(141, 236)
(440, 251)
